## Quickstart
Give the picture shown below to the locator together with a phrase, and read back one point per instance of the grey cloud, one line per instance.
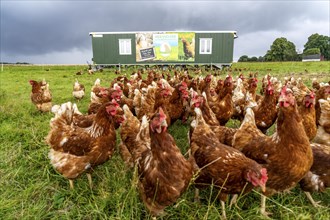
(36, 28)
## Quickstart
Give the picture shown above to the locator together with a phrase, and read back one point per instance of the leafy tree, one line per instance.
(299, 57)
(281, 50)
(321, 42)
(312, 51)
(253, 59)
(261, 59)
(243, 58)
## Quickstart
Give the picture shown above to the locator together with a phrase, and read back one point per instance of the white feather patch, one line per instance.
(193, 124)
(63, 141)
(315, 181)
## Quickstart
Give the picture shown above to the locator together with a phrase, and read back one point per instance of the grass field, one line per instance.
(31, 189)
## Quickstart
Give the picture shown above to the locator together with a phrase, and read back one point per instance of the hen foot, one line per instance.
(314, 203)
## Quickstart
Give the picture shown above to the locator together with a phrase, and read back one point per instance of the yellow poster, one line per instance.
(187, 46)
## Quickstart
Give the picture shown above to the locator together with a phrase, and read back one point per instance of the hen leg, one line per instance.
(196, 197)
(223, 208)
(233, 201)
(89, 177)
(263, 206)
(71, 183)
(310, 198)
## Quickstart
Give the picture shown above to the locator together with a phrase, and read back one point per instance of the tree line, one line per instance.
(284, 50)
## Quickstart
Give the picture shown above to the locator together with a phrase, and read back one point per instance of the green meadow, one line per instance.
(31, 189)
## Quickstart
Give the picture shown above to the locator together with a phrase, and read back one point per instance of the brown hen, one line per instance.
(41, 95)
(308, 114)
(266, 111)
(286, 154)
(223, 106)
(323, 130)
(164, 173)
(75, 150)
(222, 166)
(78, 90)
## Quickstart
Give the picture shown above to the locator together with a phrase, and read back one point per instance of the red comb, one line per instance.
(283, 91)
(161, 113)
(264, 177)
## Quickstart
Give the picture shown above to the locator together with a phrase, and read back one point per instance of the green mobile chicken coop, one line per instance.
(214, 48)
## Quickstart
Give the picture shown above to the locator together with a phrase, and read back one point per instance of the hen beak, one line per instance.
(164, 124)
(263, 188)
(282, 99)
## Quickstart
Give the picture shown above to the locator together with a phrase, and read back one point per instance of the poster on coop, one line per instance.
(186, 46)
(145, 50)
(165, 46)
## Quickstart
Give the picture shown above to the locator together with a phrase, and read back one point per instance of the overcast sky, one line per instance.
(57, 31)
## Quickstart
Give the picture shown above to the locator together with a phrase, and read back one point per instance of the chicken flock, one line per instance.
(233, 160)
